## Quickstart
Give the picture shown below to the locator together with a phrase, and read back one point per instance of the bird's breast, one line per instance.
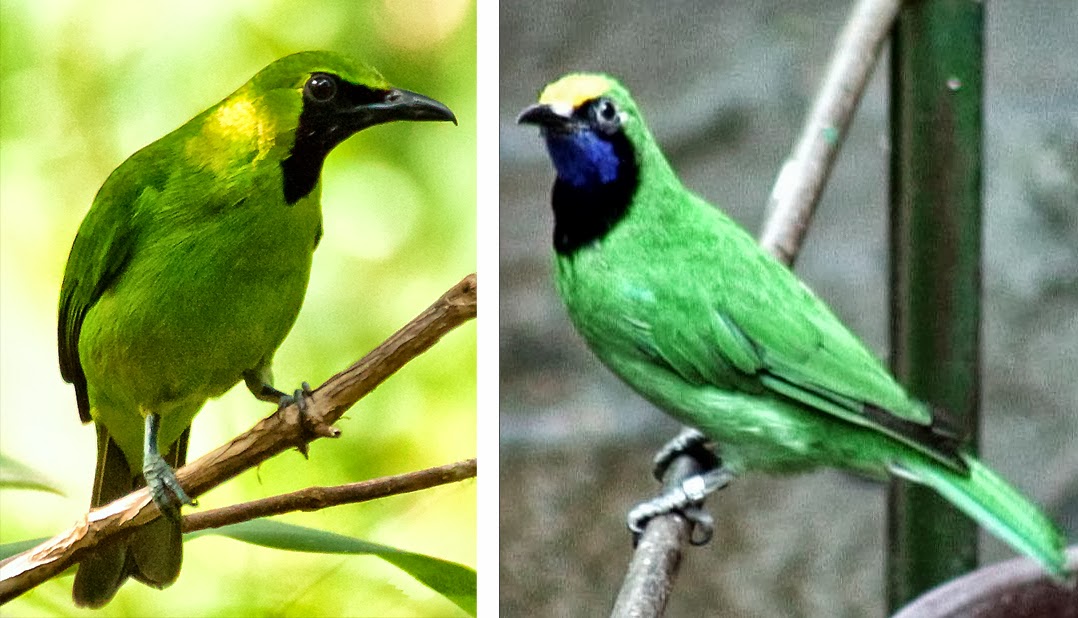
(201, 302)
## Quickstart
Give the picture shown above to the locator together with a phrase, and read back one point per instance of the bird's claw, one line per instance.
(703, 524)
(686, 499)
(301, 397)
(312, 426)
(688, 442)
(164, 488)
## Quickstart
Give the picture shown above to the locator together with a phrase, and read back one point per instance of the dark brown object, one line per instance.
(1016, 588)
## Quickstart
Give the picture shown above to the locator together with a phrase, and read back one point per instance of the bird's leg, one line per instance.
(258, 382)
(688, 442)
(160, 477)
(686, 499)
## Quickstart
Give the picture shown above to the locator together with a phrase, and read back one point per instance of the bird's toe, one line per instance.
(689, 442)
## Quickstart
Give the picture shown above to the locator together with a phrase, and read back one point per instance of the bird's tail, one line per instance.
(996, 506)
(152, 555)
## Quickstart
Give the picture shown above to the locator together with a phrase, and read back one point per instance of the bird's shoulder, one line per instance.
(129, 202)
(102, 248)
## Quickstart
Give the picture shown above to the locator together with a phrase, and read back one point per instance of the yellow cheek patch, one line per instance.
(572, 90)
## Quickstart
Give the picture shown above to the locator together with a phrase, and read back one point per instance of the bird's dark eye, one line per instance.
(320, 87)
(607, 111)
(605, 115)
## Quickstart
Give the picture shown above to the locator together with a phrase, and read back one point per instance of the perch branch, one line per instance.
(655, 562)
(270, 436)
(802, 179)
(318, 498)
(791, 205)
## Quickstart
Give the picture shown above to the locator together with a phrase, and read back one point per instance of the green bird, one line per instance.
(684, 306)
(189, 270)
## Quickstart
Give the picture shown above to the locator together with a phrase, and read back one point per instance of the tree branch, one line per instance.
(793, 200)
(270, 436)
(318, 498)
(657, 556)
(802, 179)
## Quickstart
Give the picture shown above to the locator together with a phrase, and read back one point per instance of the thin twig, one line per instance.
(793, 200)
(318, 498)
(657, 557)
(802, 179)
(270, 436)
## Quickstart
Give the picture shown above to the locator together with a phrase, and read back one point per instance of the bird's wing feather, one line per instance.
(757, 328)
(99, 254)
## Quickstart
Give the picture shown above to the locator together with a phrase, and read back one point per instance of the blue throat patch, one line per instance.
(582, 158)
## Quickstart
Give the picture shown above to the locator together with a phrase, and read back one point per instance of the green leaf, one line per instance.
(8, 550)
(455, 582)
(17, 475)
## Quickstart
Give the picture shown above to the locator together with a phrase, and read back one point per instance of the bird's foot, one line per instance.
(301, 397)
(688, 442)
(164, 488)
(312, 426)
(685, 499)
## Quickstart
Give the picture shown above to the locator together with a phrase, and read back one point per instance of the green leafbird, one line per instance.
(189, 270)
(683, 305)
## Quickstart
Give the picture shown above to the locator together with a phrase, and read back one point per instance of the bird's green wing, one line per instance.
(99, 254)
(760, 329)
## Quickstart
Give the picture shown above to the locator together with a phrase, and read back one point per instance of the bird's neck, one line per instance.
(597, 178)
(301, 169)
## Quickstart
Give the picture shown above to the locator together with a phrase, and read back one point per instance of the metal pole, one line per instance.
(936, 108)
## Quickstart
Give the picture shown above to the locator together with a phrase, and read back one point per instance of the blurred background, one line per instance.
(725, 87)
(83, 85)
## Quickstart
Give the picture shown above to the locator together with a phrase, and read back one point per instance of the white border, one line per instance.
(487, 520)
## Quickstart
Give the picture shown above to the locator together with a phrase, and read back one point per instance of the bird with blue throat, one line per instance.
(187, 273)
(686, 308)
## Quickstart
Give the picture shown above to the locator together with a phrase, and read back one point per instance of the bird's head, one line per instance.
(304, 105)
(333, 96)
(591, 127)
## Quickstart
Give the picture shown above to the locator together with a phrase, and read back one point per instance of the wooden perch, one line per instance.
(268, 437)
(318, 498)
(801, 181)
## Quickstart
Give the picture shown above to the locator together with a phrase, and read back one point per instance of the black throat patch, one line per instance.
(303, 166)
(583, 215)
(322, 126)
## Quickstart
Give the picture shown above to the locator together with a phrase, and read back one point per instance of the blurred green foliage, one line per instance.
(85, 84)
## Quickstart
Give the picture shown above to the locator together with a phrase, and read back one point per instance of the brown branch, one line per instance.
(793, 200)
(657, 557)
(268, 437)
(318, 498)
(802, 179)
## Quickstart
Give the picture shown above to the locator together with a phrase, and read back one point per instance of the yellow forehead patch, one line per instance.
(572, 90)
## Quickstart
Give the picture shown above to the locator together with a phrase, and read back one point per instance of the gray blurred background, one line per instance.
(725, 86)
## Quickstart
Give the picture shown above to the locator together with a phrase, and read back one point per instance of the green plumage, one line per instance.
(683, 304)
(190, 269)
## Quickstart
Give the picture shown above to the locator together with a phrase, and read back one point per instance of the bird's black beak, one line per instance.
(403, 105)
(545, 116)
